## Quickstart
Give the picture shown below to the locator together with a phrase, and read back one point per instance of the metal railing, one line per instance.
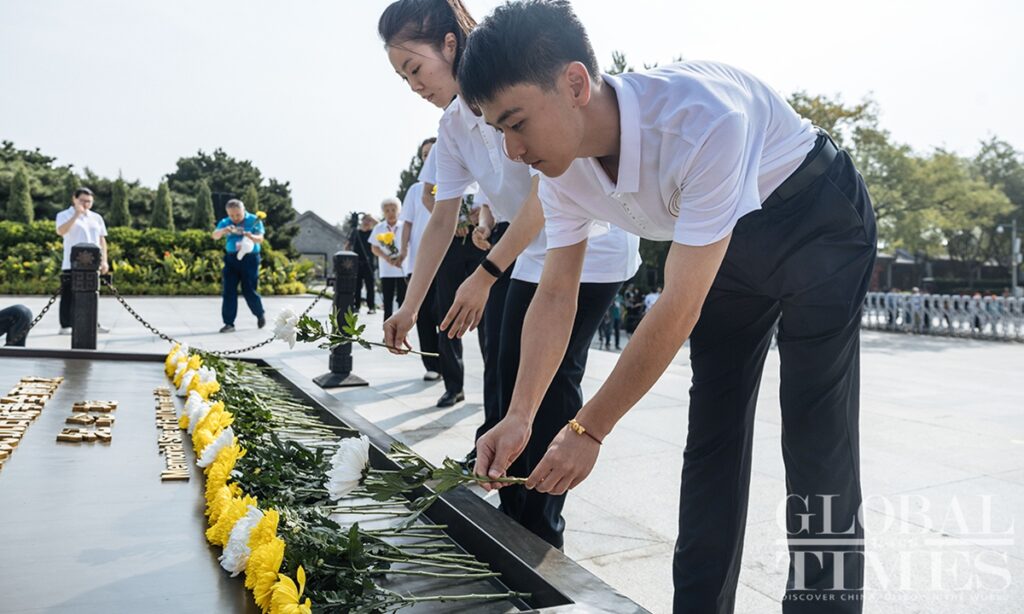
(950, 315)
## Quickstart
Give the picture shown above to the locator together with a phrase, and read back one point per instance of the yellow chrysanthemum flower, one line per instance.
(220, 469)
(433, 190)
(387, 238)
(236, 508)
(217, 499)
(183, 422)
(287, 598)
(171, 361)
(261, 215)
(207, 429)
(261, 571)
(265, 530)
(205, 390)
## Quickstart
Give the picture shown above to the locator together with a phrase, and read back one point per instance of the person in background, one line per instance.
(14, 322)
(244, 232)
(79, 224)
(414, 218)
(651, 298)
(359, 242)
(384, 242)
(615, 313)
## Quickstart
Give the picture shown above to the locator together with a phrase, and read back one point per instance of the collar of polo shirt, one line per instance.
(629, 141)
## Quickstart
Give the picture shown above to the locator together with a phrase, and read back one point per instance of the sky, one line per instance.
(303, 89)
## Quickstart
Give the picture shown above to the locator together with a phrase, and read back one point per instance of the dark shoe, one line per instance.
(227, 328)
(449, 399)
(431, 376)
(371, 311)
(261, 322)
(469, 461)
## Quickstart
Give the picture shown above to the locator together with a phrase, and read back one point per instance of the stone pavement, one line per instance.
(942, 445)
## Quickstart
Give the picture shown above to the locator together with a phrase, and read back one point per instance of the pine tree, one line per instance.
(70, 185)
(19, 205)
(251, 199)
(202, 214)
(163, 212)
(119, 214)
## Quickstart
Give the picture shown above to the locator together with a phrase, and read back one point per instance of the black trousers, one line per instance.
(459, 262)
(392, 288)
(426, 328)
(490, 335)
(14, 321)
(67, 300)
(539, 512)
(805, 264)
(364, 279)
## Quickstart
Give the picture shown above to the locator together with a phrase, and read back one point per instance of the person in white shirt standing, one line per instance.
(414, 219)
(424, 41)
(79, 224)
(651, 298)
(770, 224)
(385, 241)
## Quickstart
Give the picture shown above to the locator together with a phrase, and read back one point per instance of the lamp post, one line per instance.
(1015, 258)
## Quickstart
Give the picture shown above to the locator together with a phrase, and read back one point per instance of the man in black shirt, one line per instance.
(359, 242)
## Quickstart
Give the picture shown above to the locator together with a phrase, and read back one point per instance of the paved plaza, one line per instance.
(942, 446)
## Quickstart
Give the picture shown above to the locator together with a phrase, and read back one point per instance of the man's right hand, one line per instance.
(396, 330)
(499, 447)
(79, 209)
(480, 236)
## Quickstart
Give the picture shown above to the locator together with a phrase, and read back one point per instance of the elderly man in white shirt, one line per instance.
(79, 224)
(769, 223)
(384, 242)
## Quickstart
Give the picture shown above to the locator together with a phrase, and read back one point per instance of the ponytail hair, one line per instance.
(427, 21)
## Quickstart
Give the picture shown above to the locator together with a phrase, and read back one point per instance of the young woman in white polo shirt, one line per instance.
(770, 225)
(424, 40)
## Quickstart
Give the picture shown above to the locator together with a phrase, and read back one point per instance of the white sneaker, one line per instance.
(65, 331)
(102, 329)
(431, 376)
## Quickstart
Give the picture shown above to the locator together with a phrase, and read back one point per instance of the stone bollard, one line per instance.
(346, 267)
(85, 289)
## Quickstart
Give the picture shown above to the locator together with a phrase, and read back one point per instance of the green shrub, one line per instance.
(143, 262)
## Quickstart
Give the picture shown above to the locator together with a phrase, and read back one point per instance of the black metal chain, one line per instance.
(323, 293)
(45, 309)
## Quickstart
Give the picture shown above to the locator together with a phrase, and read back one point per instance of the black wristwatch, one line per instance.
(491, 268)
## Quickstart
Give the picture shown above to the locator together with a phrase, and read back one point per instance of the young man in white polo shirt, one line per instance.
(770, 223)
(467, 151)
(79, 224)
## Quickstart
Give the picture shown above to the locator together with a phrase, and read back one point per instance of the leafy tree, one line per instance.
(163, 209)
(119, 213)
(70, 185)
(251, 198)
(45, 178)
(19, 205)
(409, 176)
(838, 119)
(202, 213)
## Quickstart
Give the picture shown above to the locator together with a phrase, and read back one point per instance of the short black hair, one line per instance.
(82, 190)
(523, 42)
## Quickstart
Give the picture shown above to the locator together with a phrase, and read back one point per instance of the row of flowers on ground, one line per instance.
(285, 495)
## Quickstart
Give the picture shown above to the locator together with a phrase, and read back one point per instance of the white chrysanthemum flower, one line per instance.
(236, 553)
(207, 375)
(225, 439)
(348, 466)
(284, 326)
(180, 367)
(192, 403)
(198, 412)
(186, 380)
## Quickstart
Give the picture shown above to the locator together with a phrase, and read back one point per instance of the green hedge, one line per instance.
(154, 262)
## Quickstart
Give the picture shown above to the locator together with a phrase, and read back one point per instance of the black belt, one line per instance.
(814, 165)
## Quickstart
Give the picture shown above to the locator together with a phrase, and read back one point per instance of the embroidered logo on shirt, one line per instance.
(673, 203)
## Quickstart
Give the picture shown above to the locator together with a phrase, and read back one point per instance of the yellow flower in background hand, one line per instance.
(433, 191)
(286, 598)
(387, 238)
(261, 215)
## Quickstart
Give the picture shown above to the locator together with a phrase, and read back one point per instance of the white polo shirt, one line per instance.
(468, 149)
(385, 268)
(702, 145)
(88, 228)
(416, 213)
